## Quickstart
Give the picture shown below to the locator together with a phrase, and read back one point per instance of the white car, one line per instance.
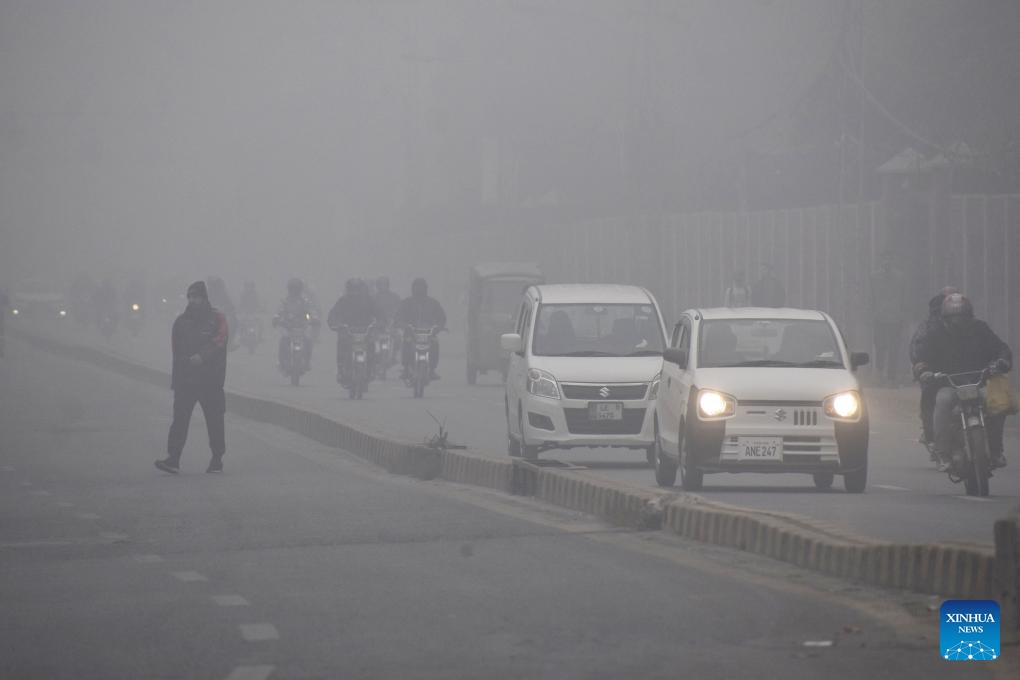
(584, 368)
(760, 390)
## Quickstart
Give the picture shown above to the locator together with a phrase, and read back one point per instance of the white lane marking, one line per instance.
(251, 673)
(818, 643)
(230, 600)
(257, 632)
(40, 492)
(7, 468)
(86, 515)
(64, 504)
(188, 576)
(890, 487)
(978, 499)
(148, 559)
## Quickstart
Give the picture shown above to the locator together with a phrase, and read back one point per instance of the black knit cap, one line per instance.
(198, 288)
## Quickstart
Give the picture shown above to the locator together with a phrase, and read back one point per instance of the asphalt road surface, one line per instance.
(907, 500)
(302, 562)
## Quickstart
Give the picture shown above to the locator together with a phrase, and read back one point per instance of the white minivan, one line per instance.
(585, 361)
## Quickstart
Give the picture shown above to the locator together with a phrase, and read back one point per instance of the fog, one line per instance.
(262, 140)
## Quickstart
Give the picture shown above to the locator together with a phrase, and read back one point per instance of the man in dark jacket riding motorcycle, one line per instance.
(295, 312)
(932, 323)
(354, 309)
(420, 311)
(961, 344)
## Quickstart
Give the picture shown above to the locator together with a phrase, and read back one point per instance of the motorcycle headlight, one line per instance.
(15, 311)
(62, 313)
(712, 404)
(543, 384)
(135, 307)
(843, 406)
(308, 317)
(653, 390)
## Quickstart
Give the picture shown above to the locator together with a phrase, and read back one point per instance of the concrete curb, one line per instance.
(948, 570)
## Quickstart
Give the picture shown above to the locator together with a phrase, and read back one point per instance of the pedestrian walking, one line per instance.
(199, 346)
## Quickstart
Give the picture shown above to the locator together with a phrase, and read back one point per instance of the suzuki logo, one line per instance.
(604, 392)
(780, 414)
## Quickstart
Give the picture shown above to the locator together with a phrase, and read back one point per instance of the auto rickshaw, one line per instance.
(494, 296)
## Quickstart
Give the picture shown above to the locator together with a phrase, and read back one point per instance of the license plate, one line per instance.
(605, 410)
(760, 448)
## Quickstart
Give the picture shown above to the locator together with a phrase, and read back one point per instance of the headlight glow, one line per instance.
(845, 406)
(712, 404)
(543, 384)
(15, 311)
(135, 307)
(62, 312)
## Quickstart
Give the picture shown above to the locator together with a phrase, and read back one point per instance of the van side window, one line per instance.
(684, 339)
(675, 337)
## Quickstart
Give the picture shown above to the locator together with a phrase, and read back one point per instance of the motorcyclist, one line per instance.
(420, 311)
(355, 309)
(295, 312)
(924, 329)
(961, 344)
(385, 299)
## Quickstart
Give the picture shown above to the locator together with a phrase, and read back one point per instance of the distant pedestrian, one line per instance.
(738, 294)
(888, 310)
(768, 291)
(199, 345)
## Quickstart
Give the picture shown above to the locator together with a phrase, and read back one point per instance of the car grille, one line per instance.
(578, 423)
(802, 417)
(604, 391)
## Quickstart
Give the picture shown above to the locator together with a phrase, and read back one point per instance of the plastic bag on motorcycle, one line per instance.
(1000, 397)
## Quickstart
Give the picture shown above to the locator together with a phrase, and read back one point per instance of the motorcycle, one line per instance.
(135, 319)
(421, 369)
(970, 459)
(384, 354)
(249, 333)
(357, 358)
(297, 348)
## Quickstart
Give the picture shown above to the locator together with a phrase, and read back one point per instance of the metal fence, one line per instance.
(823, 255)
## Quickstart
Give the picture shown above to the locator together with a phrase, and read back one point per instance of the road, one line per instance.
(907, 500)
(303, 562)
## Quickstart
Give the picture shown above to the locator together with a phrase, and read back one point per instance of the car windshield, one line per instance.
(597, 330)
(800, 343)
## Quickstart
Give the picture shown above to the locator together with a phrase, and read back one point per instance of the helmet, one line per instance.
(294, 286)
(419, 287)
(949, 290)
(382, 283)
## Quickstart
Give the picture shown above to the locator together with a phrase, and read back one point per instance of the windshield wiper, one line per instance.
(821, 363)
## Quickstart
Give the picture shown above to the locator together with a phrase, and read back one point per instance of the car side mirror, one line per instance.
(512, 342)
(676, 356)
(858, 359)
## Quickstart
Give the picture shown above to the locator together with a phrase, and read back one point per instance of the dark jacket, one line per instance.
(926, 328)
(942, 352)
(424, 312)
(203, 331)
(356, 311)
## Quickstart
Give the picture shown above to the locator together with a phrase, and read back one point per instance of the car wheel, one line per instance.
(665, 468)
(691, 478)
(823, 480)
(527, 451)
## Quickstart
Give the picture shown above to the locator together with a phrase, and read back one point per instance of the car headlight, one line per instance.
(135, 307)
(653, 390)
(712, 404)
(62, 312)
(843, 406)
(15, 311)
(543, 384)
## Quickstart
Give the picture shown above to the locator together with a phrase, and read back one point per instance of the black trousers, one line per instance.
(214, 405)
